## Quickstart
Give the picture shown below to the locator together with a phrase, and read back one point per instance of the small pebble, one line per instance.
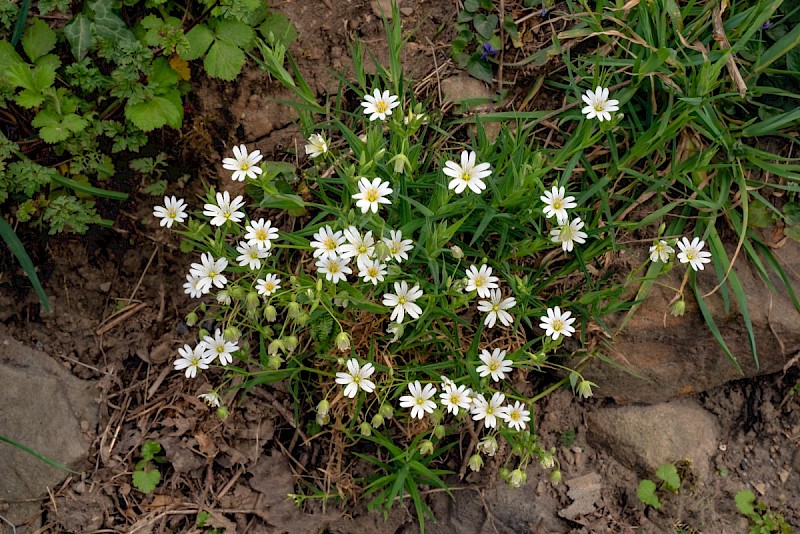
(761, 488)
(723, 447)
(783, 475)
(406, 11)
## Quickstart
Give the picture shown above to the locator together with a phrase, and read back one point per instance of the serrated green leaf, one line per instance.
(745, 501)
(8, 56)
(38, 40)
(150, 449)
(669, 474)
(163, 75)
(647, 493)
(200, 38)
(43, 77)
(29, 99)
(235, 32)
(224, 61)
(74, 123)
(146, 481)
(79, 35)
(157, 112)
(281, 28)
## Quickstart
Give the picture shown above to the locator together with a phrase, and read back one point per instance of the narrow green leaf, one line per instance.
(16, 248)
(86, 188)
(20, 446)
(712, 325)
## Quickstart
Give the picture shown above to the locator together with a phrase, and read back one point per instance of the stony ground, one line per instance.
(91, 382)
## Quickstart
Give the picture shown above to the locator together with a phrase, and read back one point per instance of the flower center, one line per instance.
(212, 274)
(227, 213)
(220, 349)
(401, 300)
(172, 213)
(466, 176)
(599, 106)
(495, 307)
(195, 361)
(489, 411)
(356, 378)
(394, 249)
(269, 286)
(329, 244)
(493, 366)
(372, 272)
(455, 398)
(515, 415)
(333, 267)
(566, 233)
(261, 234)
(557, 203)
(690, 255)
(245, 166)
(362, 249)
(381, 106)
(558, 324)
(371, 195)
(253, 255)
(420, 401)
(480, 280)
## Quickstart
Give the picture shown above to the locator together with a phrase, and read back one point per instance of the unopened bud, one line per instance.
(323, 420)
(475, 462)
(270, 314)
(292, 310)
(488, 446)
(377, 420)
(547, 460)
(291, 343)
(457, 252)
(426, 447)
(237, 292)
(343, 341)
(436, 416)
(302, 318)
(365, 429)
(223, 413)
(386, 411)
(203, 333)
(517, 478)
(232, 334)
(678, 308)
(274, 362)
(323, 407)
(275, 346)
(585, 389)
(224, 298)
(191, 319)
(504, 473)
(438, 431)
(555, 477)
(253, 300)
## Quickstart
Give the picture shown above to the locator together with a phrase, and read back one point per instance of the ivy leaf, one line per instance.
(224, 61)
(234, 32)
(200, 38)
(669, 474)
(159, 111)
(647, 494)
(146, 481)
(38, 40)
(79, 35)
(107, 24)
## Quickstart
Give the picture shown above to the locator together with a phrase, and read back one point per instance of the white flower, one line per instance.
(268, 285)
(317, 145)
(335, 269)
(261, 233)
(372, 271)
(467, 174)
(488, 410)
(420, 399)
(693, 253)
(371, 194)
(173, 210)
(516, 416)
(379, 105)
(496, 308)
(453, 398)
(195, 286)
(481, 280)
(661, 251)
(217, 347)
(403, 301)
(356, 377)
(494, 364)
(250, 255)
(446, 382)
(225, 210)
(192, 359)
(359, 247)
(488, 446)
(557, 204)
(327, 243)
(224, 298)
(569, 234)
(210, 271)
(243, 164)
(398, 247)
(598, 104)
(556, 323)
(211, 398)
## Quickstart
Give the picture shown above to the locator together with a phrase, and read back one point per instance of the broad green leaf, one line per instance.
(79, 35)
(479, 69)
(224, 61)
(54, 128)
(38, 40)
(29, 99)
(669, 474)
(471, 5)
(791, 213)
(647, 493)
(745, 502)
(200, 38)
(759, 215)
(792, 232)
(150, 449)
(163, 75)
(280, 27)
(146, 481)
(19, 75)
(234, 32)
(157, 112)
(8, 56)
(107, 24)
(485, 25)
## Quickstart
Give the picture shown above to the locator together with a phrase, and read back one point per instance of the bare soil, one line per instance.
(119, 317)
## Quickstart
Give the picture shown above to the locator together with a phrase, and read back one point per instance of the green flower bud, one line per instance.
(555, 477)
(275, 346)
(426, 447)
(457, 253)
(237, 292)
(223, 413)
(291, 343)
(302, 318)
(517, 478)
(377, 420)
(401, 163)
(436, 416)
(224, 298)
(547, 459)
(323, 420)
(232, 334)
(323, 407)
(253, 300)
(270, 314)
(191, 319)
(584, 389)
(678, 308)
(488, 446)
(381, 251)
(504, 473)
(386, 411)
(292, 310)
(365, 429)
(274, 362)
(475, 462)
(203, 333)
(439, 431)
(343, 341)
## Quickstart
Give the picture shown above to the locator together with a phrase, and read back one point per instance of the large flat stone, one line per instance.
(663, 357)
(44, 407)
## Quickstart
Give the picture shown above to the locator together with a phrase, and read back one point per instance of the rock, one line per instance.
(381, 8)
(44, 407)
(643, 438)
(584, 491)
(464, 87)
(522, 509)
(662, 357)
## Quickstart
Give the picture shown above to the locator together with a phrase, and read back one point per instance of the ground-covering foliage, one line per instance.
(478, 256)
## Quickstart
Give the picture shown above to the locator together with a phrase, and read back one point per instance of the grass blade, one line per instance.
(38, 456)
(712, 325)
(16, 248)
